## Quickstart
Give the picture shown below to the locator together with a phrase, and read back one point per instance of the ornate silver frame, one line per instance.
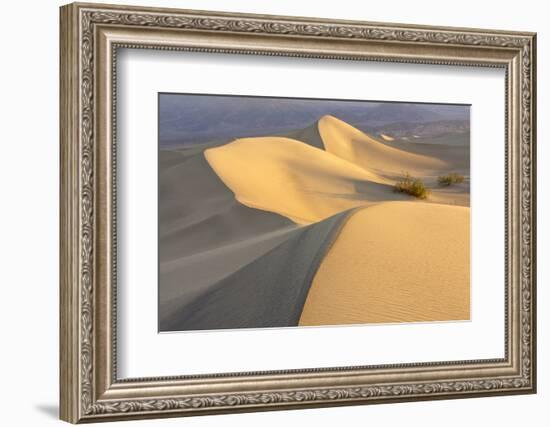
(90, 36)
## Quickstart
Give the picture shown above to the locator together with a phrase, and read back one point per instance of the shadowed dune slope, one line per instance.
(186, 278)
(268, 292)
(309, 135)
(197, 211)
(457, 157)
(294, 179)
(245, 229)
(349, 143)
(395, 262)
(204, 233)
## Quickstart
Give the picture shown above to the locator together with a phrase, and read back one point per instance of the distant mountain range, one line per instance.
(191, 119)
(424, 130)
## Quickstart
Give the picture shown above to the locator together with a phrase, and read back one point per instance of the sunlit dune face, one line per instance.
(349, 143)
(395, 262)
(293, 179)
(308, 184)
(392, 255)
(392, 260)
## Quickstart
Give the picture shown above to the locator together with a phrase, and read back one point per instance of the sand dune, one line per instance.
(386, 137)
(457, 157)
(349, 143)
(198, 212)
(395, 262)
(295, 180)
(188, 277)
(270, 291)
(457, 194)
(244, 226)
(204, 233)
(309, 135)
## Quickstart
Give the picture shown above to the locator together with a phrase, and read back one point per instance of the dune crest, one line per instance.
(294, 179)
(395, 262)
(269, 291)
(306, 229)
(349, 143)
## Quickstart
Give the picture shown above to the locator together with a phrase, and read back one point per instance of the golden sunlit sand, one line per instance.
(293, 179)
(387, 137)
(385, 257)
(392, 261)
(349, 143)
(395, 262)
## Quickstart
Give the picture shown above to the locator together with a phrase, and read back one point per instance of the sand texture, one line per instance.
(395, 262)
(210, 238)
(305, 228)
(298, 181)
(268, 292)
(349, 143)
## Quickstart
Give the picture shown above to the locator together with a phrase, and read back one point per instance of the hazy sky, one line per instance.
(187, 118)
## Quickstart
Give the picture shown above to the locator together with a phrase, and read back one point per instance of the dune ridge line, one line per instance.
(286, 231)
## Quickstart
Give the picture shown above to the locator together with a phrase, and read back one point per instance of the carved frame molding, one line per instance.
(90, 390)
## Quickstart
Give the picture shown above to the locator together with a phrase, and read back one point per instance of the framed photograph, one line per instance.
(266, 212)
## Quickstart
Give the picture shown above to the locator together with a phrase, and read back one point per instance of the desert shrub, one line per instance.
(452, 178)
(412, 186)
